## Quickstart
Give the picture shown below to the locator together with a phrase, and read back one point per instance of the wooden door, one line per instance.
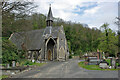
(49, 54)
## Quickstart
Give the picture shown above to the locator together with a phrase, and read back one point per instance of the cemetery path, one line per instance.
(68, 69)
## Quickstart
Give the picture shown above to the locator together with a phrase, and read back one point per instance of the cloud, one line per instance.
(92, 12)
(104, 12)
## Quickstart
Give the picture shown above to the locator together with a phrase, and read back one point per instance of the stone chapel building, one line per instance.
(43, 44)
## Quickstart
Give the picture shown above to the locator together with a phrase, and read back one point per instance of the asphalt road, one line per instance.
(68, 69)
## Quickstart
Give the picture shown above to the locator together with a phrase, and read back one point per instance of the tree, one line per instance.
(38, 21)
(118, 23)
(13, 14)
(108, 41)
(105, 29)
(82, 39)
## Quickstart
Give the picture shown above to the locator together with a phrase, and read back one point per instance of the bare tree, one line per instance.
(14, 16)
(20, 8)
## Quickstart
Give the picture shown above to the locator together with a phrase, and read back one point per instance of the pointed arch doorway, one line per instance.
(50, 49)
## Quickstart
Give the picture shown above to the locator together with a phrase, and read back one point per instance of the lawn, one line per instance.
(91, 67)
(3, 76)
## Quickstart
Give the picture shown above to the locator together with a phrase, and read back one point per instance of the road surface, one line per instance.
(67, 69)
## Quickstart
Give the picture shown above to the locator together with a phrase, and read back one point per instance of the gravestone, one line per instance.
(103, 55)
(8, 65)
(37, 61)
(93, 61)
(113, 63)
(103, 65)
(33, 60)
(13, 63)
(110, 60)
(17, 64)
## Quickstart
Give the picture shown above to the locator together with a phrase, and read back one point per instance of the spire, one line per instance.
(49, 18)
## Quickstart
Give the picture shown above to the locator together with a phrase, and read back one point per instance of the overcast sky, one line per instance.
(94, 13)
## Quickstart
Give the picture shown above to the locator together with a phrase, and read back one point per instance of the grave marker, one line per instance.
(13, 63)
(8, 65)
(103, 65)
(113, 63)
(33, 60)
(17, 64)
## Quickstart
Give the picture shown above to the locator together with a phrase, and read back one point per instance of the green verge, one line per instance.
(3, 76)
(25, 62)
(38, 64)
(91, 67)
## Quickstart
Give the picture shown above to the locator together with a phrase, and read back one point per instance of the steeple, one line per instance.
(49, 19)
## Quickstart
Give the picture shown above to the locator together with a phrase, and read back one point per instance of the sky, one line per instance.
(91, 12)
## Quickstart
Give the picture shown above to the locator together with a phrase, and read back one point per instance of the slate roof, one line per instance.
(33, 40)
(51, 31)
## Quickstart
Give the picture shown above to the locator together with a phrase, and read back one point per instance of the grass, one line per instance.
(24, 62)
(27, 62)
(38, 64)
(91, 67)
(3, 76)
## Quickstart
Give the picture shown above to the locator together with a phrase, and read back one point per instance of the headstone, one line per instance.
(13, 63)
(13, 73)
(86, 54)
(33, 60)
(1, 67)
(110, 67)
(37, 61)
(113, 63)
(103, 55)
(8, 65)
(17, 64)
(103, 65)
(93, 60)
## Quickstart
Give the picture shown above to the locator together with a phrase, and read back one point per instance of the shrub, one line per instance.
(9, 51)
(28, 63)
(70, 56)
